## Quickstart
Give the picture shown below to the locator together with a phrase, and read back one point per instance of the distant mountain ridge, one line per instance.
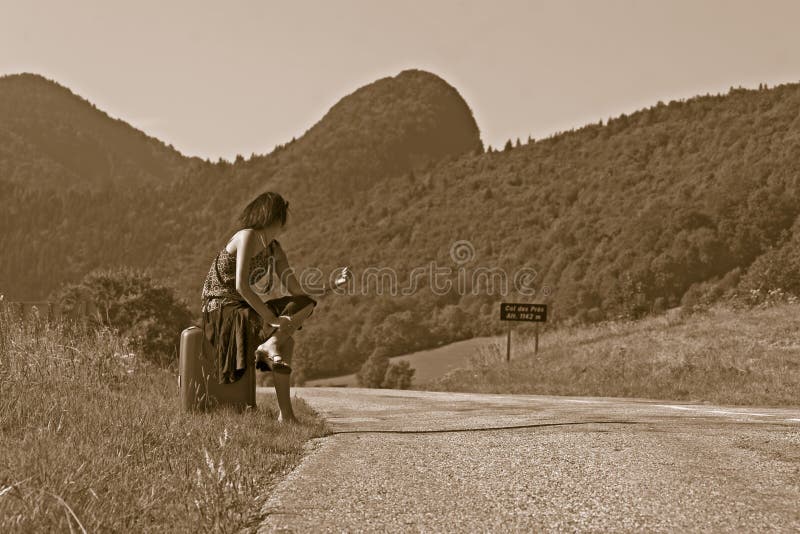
(660, 207)
(51, 137)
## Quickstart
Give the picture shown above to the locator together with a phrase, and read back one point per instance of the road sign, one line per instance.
(513, 311)
(516, 311)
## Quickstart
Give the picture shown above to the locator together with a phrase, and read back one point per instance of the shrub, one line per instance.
(137, 307)
(765, 299)
(778, 268)
(704, 294)
(594, 315)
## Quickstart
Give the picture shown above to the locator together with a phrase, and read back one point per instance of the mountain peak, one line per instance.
(398, 123)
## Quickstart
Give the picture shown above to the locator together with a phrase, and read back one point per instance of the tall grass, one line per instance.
(721, 355)
(92, 439)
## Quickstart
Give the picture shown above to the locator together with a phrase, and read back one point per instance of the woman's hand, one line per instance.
(268, 325)
(285, 321)
(343, 277)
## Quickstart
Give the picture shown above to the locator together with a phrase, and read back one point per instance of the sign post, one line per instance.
(508, 344)
(515, 311)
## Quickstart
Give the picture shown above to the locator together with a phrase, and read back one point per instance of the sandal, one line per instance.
(265, 363)
(278, 365)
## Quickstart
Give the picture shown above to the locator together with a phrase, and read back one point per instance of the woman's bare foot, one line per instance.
(288, 420)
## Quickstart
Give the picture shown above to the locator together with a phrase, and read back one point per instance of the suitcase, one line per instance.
(198, 383)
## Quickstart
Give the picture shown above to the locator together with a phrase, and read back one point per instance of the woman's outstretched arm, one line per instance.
(290, 283)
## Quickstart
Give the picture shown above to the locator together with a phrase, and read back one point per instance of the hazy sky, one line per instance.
(225, 78)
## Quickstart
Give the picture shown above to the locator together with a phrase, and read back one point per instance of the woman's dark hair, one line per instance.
(263, 211)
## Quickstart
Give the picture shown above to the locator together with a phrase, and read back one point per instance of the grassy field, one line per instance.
(428, 365)
(93, 439)
(720, 355)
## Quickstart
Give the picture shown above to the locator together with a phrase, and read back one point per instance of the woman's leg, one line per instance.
(281, 382)
(299, 308)
(298, 315)
(282, 344)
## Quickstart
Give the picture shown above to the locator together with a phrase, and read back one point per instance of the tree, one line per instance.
(398, 332)
(508, 146)
(450, 322)
(133, 304)
(372, 372)
(518, 144)
(398, 375)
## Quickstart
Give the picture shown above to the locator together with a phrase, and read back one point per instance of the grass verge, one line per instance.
(92, 439)
(722, 355)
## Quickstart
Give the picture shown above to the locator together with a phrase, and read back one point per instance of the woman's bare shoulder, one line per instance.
(238, 239)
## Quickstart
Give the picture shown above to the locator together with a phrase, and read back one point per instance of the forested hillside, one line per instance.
(51, 137)
(618, 218)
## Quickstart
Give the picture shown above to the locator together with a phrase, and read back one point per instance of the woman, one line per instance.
(236, 321)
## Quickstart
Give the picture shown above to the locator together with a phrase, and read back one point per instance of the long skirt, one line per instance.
(234, 330)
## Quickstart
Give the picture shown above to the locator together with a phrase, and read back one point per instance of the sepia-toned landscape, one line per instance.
(661, 393)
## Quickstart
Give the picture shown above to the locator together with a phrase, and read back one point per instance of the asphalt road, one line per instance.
(413, 461)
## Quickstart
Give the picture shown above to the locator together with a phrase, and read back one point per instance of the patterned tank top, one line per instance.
(220, 284)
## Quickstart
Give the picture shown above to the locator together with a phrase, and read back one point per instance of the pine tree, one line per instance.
(508, 146)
